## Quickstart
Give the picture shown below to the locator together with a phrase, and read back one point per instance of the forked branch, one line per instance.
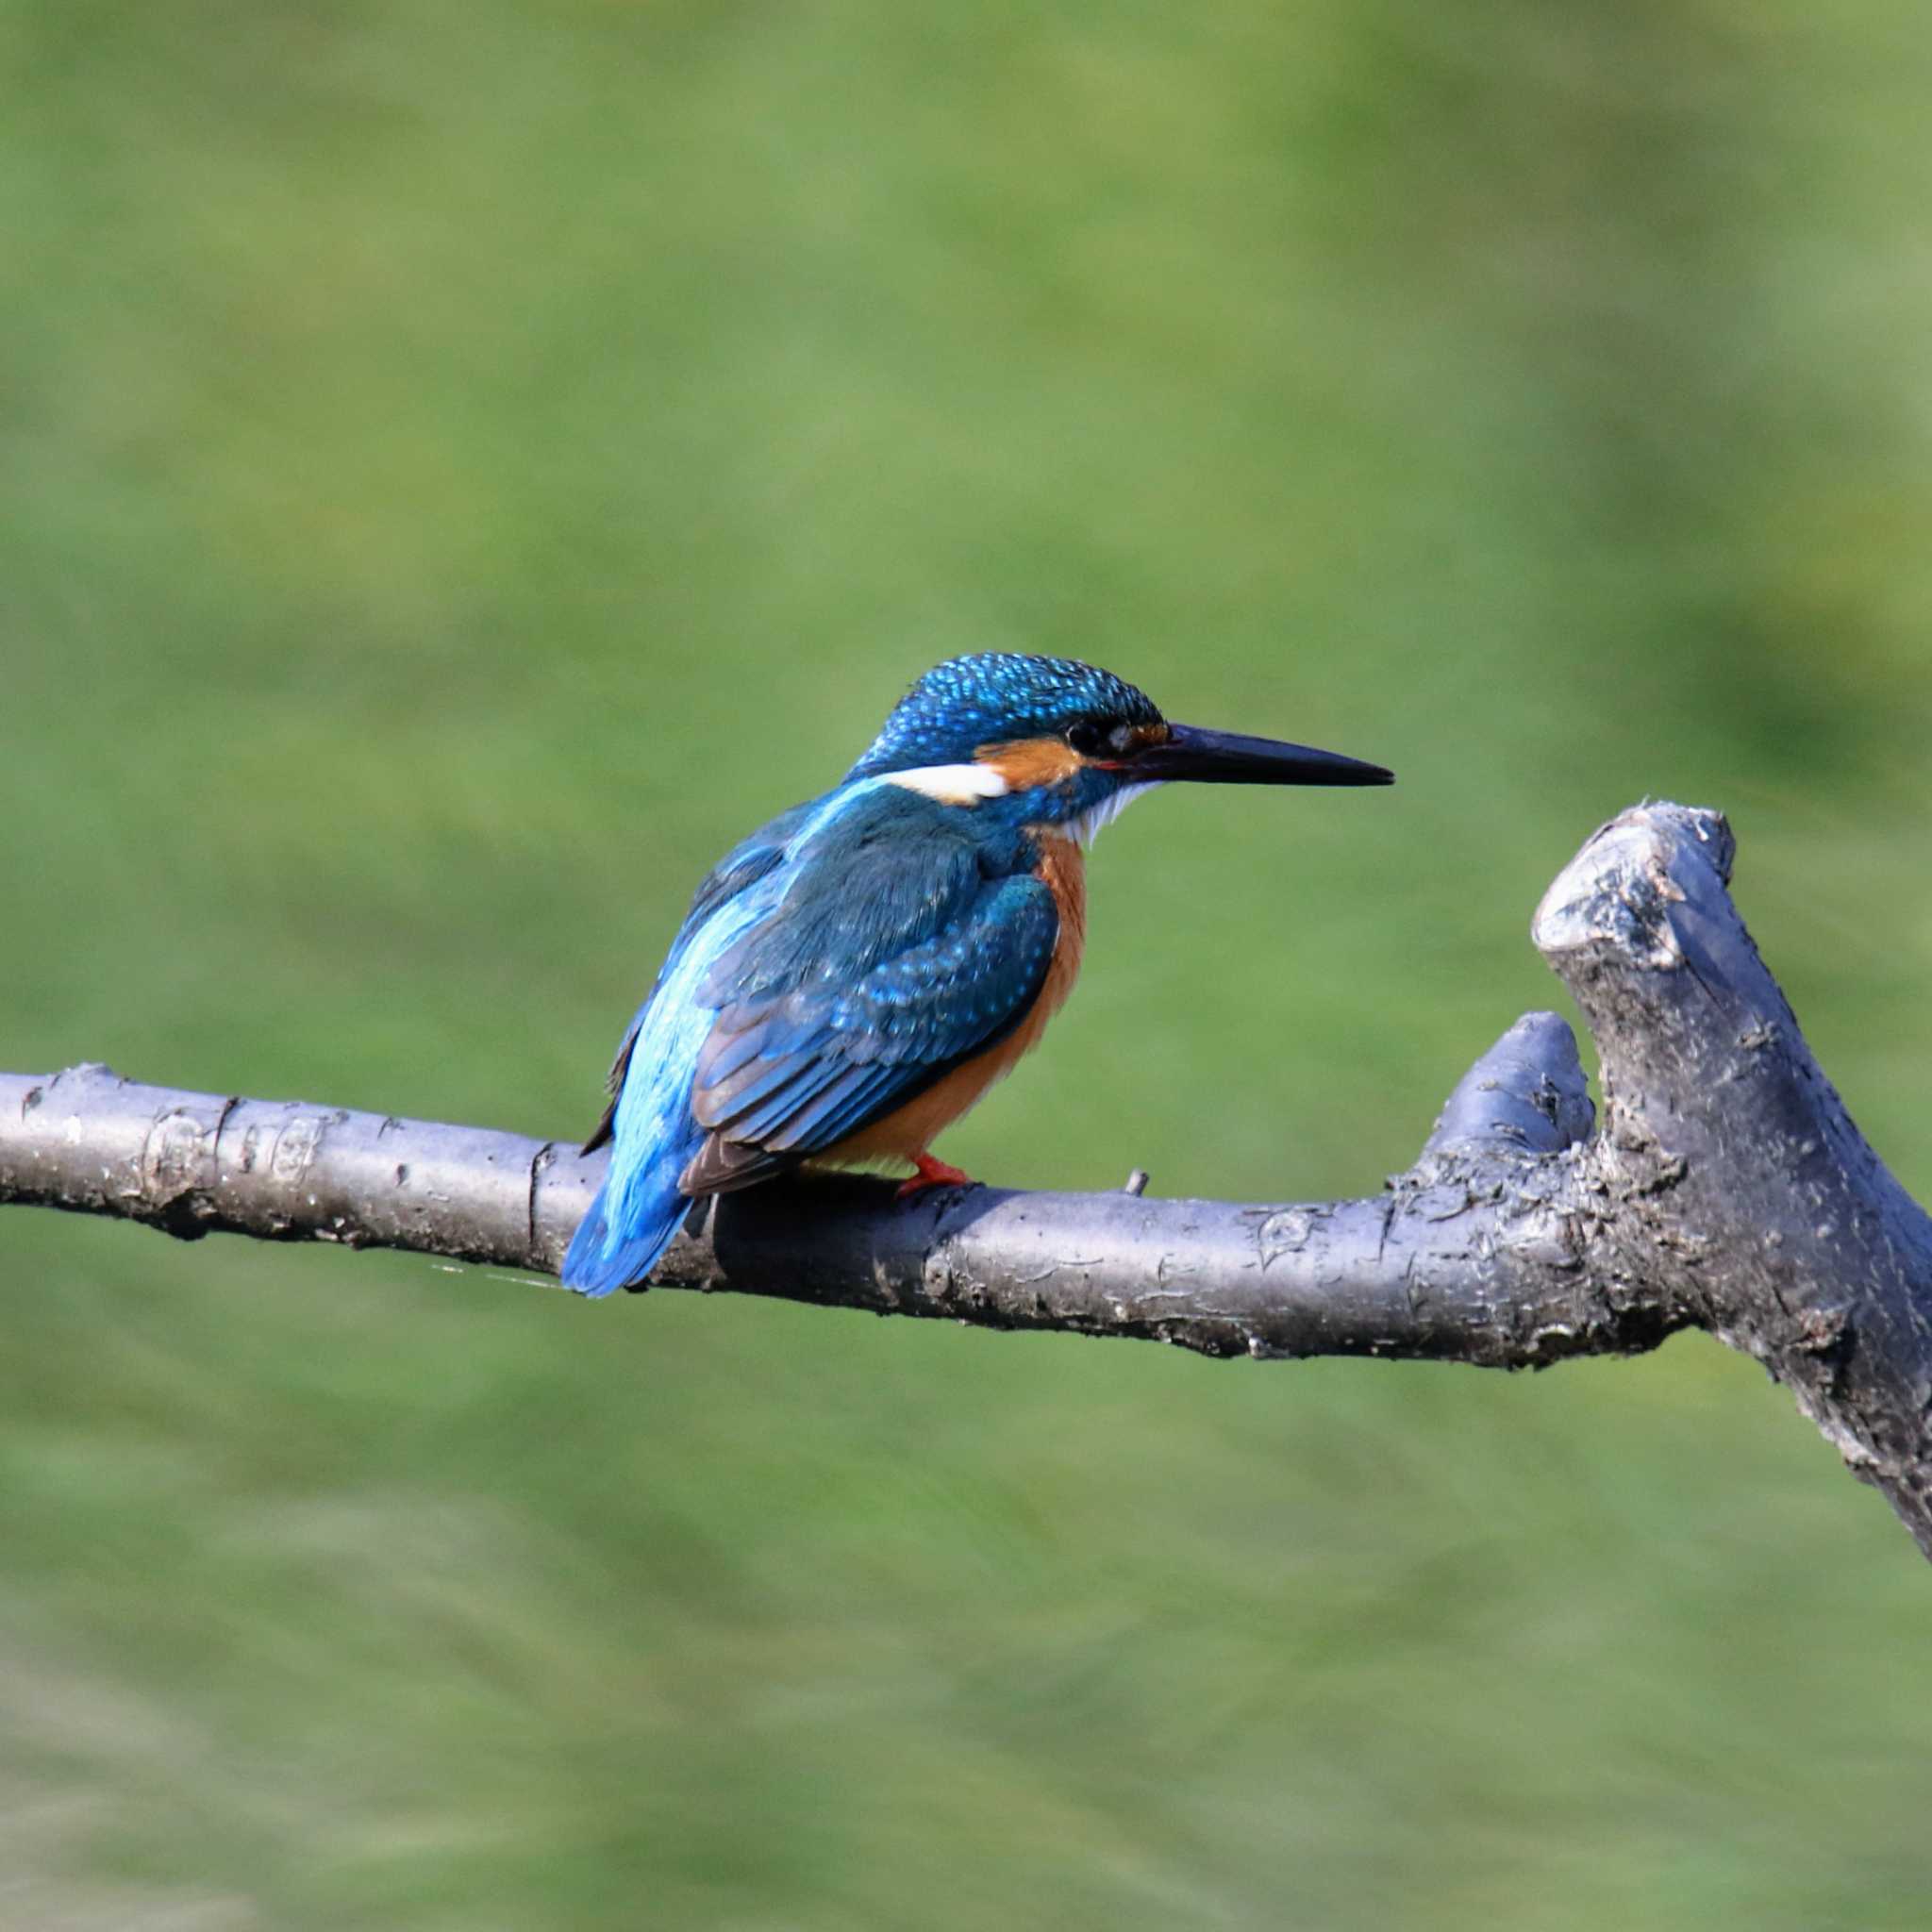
(1726, 1189)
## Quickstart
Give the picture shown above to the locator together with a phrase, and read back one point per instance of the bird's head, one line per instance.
(1054, 741)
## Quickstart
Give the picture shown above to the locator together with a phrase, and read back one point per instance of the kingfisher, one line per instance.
(855, 975)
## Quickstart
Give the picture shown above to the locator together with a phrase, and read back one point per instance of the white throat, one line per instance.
(1088, 826)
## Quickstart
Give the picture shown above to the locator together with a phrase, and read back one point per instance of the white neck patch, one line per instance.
(952, 784)
(969, 784)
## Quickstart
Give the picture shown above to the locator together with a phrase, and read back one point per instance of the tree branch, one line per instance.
(1726, 1189)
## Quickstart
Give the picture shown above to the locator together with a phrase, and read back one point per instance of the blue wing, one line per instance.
(833, 966)
(742, 866)
(806, 1052)
(648, 1120)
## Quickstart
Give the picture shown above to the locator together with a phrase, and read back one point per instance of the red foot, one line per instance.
(934, 1173)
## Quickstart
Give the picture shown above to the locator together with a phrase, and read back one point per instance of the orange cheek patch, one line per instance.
(1029, 761)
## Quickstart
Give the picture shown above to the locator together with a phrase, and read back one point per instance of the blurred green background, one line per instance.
(465, 465)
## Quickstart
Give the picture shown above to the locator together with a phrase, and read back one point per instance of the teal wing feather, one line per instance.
(744, 866)
(892, 961)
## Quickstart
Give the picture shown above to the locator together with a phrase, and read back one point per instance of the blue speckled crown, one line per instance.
(992, 695)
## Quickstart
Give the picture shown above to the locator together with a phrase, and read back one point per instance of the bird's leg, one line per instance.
(934, 1173)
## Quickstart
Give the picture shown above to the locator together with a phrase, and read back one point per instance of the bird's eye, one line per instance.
(1089, 738)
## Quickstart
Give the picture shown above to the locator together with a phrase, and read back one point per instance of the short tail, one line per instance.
(617, 1246)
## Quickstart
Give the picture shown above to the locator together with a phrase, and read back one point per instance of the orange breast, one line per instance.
(916, 1126)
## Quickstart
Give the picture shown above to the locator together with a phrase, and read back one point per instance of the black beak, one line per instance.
(1225, 757)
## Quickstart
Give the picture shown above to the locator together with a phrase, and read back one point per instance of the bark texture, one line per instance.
(1726, 1189)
